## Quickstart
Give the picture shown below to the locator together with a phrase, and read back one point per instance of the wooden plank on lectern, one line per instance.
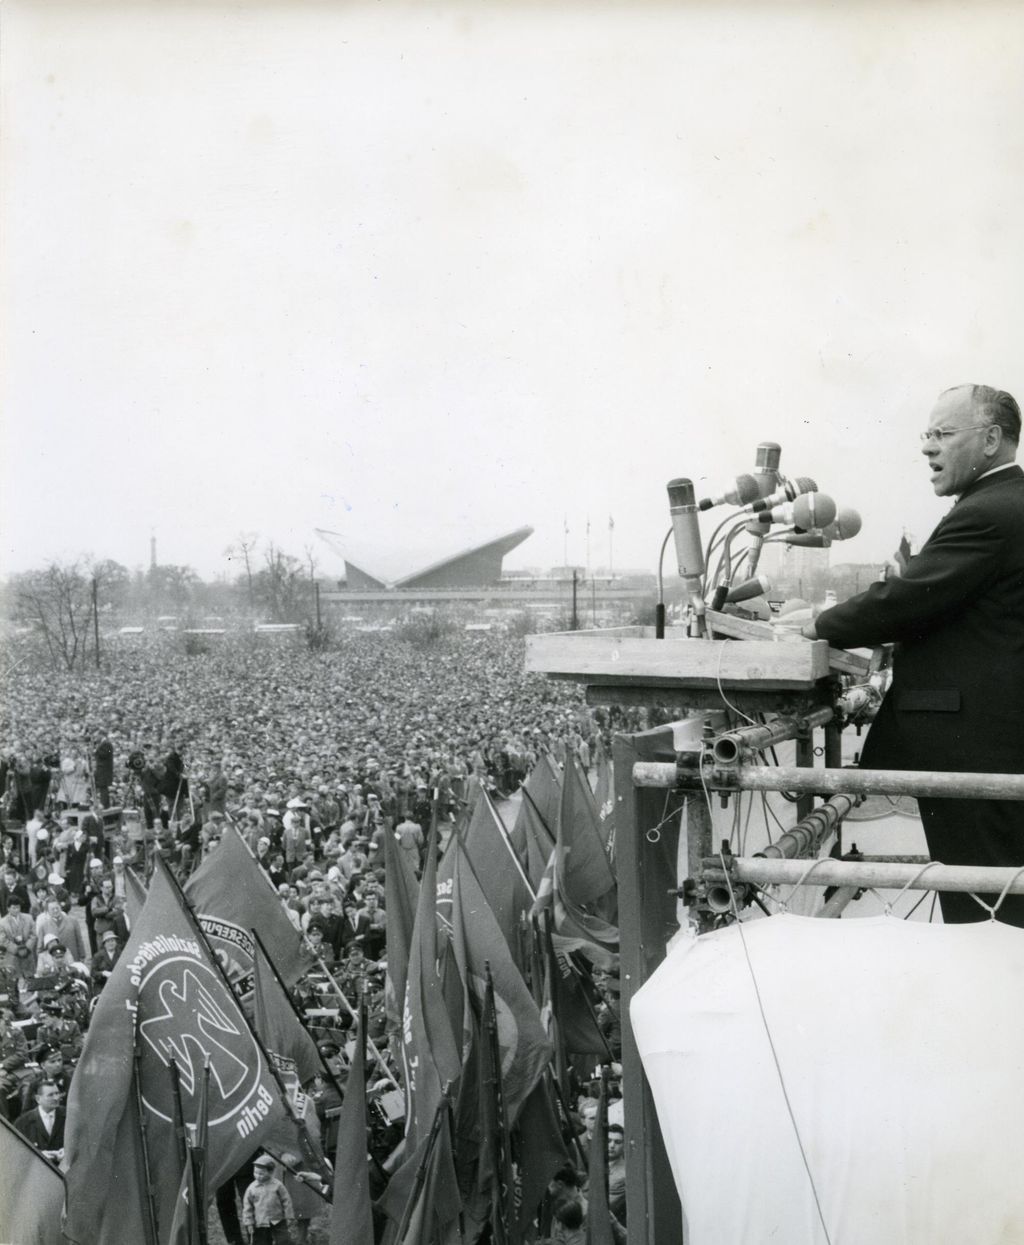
(647, 919)
(677, 661)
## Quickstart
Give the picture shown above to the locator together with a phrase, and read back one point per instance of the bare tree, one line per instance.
(279, 585)
(243, 547)
(57, 603)
(311, 559)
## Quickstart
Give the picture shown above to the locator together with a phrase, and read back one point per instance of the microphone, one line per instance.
(809, 510)
(808, 540)
(686, 528)
(755, 587)
(789, 492)
(766, 466)
(743, 489)
(845, 525)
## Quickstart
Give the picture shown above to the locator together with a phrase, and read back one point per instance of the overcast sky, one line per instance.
(422, 274)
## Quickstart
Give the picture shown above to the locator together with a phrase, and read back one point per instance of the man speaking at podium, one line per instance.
(956, 701)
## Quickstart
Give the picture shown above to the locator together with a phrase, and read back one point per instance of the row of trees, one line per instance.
(64, 602)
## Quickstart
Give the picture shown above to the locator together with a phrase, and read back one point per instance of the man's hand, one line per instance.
(809, 631)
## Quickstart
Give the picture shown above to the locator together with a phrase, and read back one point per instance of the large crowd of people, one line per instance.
(314, 758)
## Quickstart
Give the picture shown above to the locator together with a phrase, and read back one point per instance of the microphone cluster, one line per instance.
(765, 498)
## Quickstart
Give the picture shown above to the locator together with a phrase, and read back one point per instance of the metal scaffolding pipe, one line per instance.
(982, 879)
(810, 832)
(732, 745)
(831, 781)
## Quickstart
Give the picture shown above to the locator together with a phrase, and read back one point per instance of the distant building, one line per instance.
(476, 567)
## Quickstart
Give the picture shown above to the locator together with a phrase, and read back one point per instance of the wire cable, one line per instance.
(774, 1053)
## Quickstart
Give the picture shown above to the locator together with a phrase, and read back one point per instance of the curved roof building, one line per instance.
(473, 567)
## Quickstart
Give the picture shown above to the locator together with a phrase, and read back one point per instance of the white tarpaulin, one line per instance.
(901, 1049)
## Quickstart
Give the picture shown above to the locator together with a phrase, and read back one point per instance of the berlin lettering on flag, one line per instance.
(232, 896)
(165, 1001)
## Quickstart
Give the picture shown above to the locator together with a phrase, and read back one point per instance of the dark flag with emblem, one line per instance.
(166, 1001)
(31, 1192)
(232, 896)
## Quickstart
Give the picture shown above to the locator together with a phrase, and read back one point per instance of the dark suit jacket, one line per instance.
(31, 1128)
(956, 701)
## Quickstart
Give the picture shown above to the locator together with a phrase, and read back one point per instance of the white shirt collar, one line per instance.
(992, 470)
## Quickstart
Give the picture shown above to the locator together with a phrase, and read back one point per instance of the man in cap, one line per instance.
(268, 1216)
(104, 960)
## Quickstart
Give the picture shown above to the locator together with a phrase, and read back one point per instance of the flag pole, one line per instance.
(140, 1111)
(533, 805)
(295, 1011)
(508, 844)
(500, 1200)
(179, 1115)
(197, 1155)
(421, 1171)
(352, 1012)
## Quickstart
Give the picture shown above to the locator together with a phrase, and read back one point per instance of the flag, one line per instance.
(352, 1213)
(494, 1176)
(499, 871)
(31, 1192)
(482, 1159)
(400, 893)
(232, 896)
(538, 1151)
(584, 888)
(295, 1059)
(166, 1000)
(426, 1191)
(572, 1007)
(538, 842)
(477, 940)
(431, 1046)
(134, 896)
(544, 789)
(583, 872)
